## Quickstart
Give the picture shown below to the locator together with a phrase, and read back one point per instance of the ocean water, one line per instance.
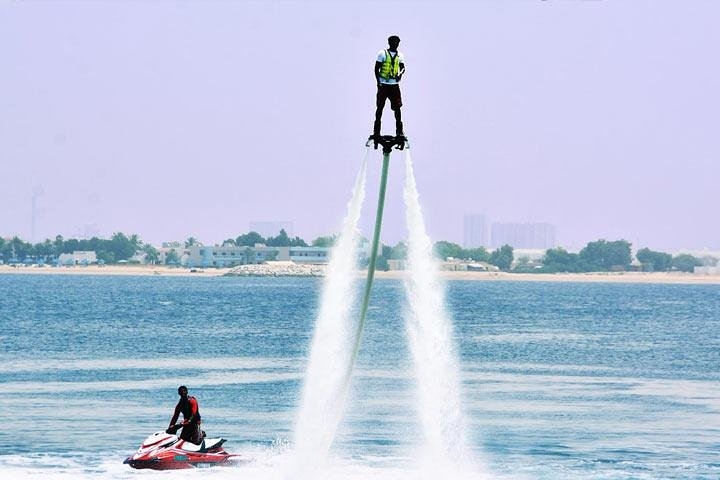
(559, 380)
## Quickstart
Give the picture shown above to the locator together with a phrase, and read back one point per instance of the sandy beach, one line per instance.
(162, 270)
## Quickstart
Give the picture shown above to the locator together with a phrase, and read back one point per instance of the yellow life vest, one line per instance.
(390, 67)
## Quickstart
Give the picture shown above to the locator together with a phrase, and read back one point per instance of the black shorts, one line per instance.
(389, 91)
(192, 433)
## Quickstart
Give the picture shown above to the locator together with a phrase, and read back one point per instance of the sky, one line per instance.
(170, 119)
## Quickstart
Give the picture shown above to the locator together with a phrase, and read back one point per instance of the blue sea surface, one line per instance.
(560, 380)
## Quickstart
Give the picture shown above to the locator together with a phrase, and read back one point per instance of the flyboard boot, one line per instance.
(376, 134)
(400, 136)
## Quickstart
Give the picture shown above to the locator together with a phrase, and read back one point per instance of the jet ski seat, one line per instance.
(207, 444)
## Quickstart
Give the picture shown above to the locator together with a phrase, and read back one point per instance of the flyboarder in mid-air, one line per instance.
(389, 69)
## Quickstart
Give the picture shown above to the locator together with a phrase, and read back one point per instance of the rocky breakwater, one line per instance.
(277, 269)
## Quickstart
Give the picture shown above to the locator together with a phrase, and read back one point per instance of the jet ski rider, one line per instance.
(189, 407)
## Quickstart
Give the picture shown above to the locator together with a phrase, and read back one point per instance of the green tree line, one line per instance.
(118, 247)
(598, 256)
(443, 250)
(251, 238)
(604, 256)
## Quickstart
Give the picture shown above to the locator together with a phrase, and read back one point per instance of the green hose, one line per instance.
(373, 256)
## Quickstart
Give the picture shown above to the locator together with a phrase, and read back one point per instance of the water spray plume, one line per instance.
(337, 335)
(429, 331)
(330, 361)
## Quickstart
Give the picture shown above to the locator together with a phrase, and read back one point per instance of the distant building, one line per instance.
(167, 248)
(310, 254)
(397, 264)
(527, 258)
(230, 256)
(272, 228)
(523, 235)
(458, 265)
(532, 254)
(138, 257)
(475, 231)
(705, 254)
(78, 257)
(707, 270)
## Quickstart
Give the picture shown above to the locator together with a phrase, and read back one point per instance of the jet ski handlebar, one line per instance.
(172, 429)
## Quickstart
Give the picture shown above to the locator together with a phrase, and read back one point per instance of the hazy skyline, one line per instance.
(170, 119)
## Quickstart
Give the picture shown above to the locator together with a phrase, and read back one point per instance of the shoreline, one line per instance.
(593, 277)
(126, 270)
(598, 277)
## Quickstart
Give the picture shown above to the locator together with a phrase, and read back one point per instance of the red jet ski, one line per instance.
(166, 451)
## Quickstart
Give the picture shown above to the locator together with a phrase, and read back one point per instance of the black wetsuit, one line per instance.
(191, 413)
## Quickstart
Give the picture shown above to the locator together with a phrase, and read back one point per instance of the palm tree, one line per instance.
(58, 245)
(19, 249)
(171, 258)
(151, 254)
(135, 240)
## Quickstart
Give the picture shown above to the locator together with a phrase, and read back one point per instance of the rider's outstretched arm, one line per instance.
(175, 415)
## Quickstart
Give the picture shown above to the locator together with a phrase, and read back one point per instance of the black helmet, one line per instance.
(394, 40)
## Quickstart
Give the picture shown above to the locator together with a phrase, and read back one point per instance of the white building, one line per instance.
(310, 254)
(163, 252)
(78, 257)
(707, 270)
(532, 254)
(459, 265)
(231, 256)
